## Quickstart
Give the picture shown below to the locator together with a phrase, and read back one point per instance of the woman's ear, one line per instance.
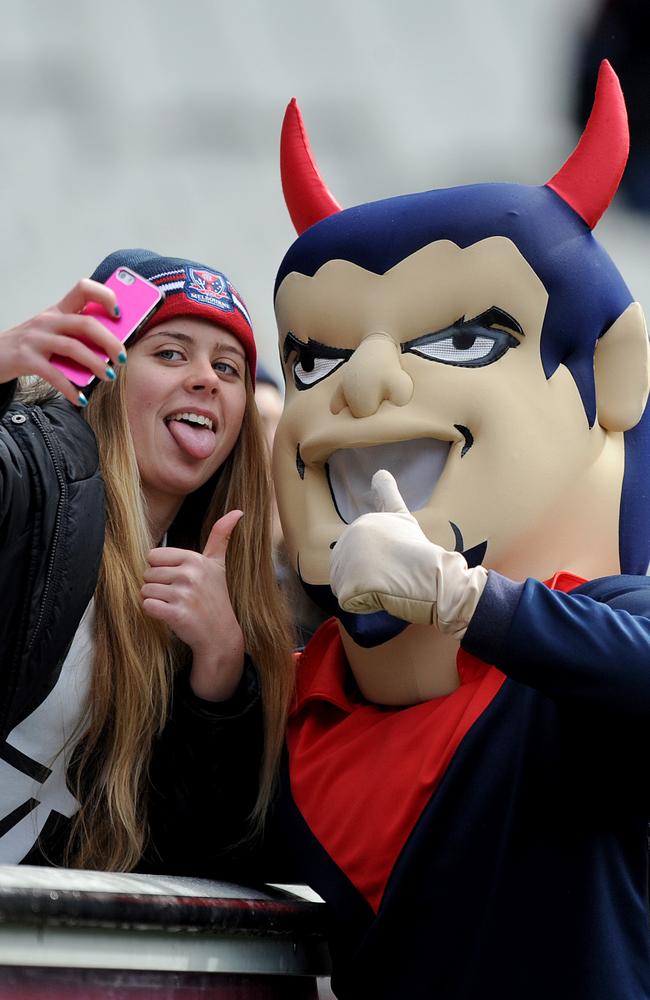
(622, 371)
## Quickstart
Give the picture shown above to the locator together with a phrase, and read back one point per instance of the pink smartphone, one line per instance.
(138, 300)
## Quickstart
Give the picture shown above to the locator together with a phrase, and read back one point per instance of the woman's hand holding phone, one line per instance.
(27, 349)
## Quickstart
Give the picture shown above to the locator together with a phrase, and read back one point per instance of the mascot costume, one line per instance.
(462, 471)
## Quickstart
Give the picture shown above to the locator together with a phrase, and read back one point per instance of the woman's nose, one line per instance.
(201, 377)
(373, 374)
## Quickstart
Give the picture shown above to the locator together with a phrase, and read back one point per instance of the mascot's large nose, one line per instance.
(373, 374)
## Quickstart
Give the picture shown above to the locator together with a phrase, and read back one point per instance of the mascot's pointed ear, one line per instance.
(589, 178)
(305, 192)
(622, 370)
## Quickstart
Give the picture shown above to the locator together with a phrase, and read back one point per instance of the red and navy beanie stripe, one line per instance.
(190, 289)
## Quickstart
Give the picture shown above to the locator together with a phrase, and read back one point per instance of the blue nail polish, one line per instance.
(82, 400)
(116, 310)
(122, 358)
(110, 373)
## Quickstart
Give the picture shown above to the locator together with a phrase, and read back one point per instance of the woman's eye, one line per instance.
(309, 368)
(167, 354)
(226, 368)
(469, 348)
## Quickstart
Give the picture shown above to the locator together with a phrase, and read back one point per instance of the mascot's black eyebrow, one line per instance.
(494, 316)
(292, 343)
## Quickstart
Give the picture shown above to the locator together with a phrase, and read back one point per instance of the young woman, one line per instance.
(145, 676)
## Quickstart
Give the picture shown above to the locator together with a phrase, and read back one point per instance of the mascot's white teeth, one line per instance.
(417, 466)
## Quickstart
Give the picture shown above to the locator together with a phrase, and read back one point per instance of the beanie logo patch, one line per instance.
(210, 288)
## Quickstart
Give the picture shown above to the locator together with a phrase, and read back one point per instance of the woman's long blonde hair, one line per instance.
(136, 656)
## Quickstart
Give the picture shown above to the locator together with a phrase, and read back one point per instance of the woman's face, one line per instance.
(186, 395)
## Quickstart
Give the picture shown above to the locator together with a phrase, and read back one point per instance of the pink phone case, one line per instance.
(137, 298)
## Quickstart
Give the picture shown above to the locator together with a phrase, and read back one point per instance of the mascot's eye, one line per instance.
(312, 361)
(310, 369)
(468, 345)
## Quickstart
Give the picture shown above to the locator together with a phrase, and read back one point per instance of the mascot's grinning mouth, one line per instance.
(416, 465)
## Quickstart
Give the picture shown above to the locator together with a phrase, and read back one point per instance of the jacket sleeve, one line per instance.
(590, 646)
(204, 783)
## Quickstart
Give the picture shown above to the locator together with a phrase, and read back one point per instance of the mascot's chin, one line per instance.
(366, 630)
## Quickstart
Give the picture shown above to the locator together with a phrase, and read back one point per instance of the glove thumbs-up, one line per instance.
(386, 491)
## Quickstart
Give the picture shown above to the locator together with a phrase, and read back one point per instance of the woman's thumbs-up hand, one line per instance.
(188, 591)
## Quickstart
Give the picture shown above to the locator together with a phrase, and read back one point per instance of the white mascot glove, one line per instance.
(385, 562)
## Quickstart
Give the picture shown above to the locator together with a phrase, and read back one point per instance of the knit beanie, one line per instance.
(190, 289)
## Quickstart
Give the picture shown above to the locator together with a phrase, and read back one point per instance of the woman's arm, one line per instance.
(204, 782)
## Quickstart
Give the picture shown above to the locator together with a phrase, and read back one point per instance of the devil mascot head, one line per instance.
(479, 345)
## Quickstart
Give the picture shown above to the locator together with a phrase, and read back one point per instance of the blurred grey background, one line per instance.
(156, 123)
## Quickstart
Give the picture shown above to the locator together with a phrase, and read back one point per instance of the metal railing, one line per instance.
(125, 936)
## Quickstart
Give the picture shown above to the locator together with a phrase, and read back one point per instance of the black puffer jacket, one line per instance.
(205, 767)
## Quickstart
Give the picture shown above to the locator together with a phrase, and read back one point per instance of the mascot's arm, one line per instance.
(384, 562)
(591, 645)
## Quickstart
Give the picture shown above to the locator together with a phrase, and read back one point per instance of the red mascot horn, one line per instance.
(305, 193)
(589, 178)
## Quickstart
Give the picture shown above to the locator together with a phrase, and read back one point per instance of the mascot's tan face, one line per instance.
(433, 371)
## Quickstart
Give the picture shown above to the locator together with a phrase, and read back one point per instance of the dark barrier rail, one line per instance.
(92, 935)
